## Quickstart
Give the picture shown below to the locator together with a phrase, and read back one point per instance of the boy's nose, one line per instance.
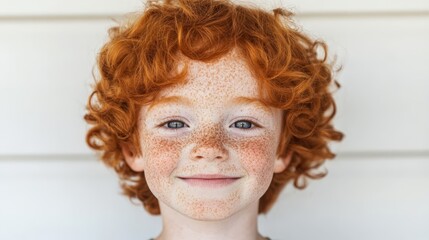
(210, 144)
(209, 153)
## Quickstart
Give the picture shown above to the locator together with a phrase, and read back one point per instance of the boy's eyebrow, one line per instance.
(250, 100)
(187, 102)
(171, 99)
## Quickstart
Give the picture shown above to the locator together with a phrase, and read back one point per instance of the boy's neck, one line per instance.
(240, 226)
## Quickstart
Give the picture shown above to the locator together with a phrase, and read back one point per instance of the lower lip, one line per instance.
(210, 183)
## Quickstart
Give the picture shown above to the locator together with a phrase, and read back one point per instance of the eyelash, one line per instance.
(252, 123)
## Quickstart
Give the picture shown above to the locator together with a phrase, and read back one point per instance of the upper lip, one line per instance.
(210, 176)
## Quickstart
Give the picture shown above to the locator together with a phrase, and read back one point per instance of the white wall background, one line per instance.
(52, 186)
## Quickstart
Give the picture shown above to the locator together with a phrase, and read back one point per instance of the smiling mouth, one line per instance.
(209, 181)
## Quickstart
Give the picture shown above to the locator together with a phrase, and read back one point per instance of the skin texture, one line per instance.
(211, 137)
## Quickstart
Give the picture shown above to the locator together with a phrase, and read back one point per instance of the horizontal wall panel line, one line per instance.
(363, 14)
(342, 155)
(77, 17)
(36, 157)
(384, 154)
(73, 17)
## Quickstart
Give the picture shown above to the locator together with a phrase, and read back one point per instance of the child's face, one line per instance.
(207, 134)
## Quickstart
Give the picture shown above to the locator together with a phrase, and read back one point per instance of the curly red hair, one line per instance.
(137, 62)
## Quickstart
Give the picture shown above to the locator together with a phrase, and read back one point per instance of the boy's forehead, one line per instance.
(224, 82)
(221, 80)
(230, 73)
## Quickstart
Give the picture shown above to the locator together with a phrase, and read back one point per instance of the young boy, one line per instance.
(206, 109)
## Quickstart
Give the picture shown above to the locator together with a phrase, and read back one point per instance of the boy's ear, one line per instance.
(136, 163)
(280, 164)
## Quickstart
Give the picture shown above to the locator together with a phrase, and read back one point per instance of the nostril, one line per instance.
(199, 157)
(209, 154)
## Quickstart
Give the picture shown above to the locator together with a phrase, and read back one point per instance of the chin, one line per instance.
(210, 216)
(209, 212)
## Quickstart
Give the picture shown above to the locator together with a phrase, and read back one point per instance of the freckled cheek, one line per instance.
(162, 156)
(257, 157)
